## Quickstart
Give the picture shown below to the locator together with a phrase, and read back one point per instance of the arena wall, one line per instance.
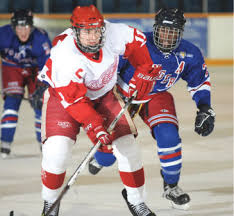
(212, 33)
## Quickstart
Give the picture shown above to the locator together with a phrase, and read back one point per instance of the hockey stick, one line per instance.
(89, 156)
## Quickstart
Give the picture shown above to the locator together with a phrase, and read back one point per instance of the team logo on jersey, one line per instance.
(106, 76)
(170, 79)
(20, 56)
(183, 54)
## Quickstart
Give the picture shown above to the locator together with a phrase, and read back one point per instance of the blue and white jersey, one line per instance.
(33, 53)
(185, 62)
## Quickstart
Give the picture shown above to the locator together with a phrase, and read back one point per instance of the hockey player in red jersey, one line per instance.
(82, 73)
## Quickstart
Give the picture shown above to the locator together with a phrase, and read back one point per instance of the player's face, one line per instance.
(23, 32)
(90, 37)
(168, 36)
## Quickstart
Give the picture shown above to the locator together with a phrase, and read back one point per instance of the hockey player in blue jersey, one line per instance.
(24, 50)
(179, 59)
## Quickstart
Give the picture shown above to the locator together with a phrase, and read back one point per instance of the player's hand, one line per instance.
(36, 98)
(104, 138)
(98, 131)
(204, 122)
(143, 80)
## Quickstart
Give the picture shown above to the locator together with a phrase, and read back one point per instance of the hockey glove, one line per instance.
(143, 80)
(36, 99)
(204, 122)
(98, 133)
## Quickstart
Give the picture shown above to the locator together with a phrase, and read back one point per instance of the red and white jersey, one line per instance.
(74, 75)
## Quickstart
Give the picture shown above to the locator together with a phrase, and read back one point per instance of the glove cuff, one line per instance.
(207, 109)
(203, 107)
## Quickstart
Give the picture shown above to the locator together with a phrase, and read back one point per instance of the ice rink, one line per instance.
(207, 173)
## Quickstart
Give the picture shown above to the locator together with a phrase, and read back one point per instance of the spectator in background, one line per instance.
(24, 51)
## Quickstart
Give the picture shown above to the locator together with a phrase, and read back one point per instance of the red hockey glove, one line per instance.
(104, 138)
(143, 80)
(97, 132)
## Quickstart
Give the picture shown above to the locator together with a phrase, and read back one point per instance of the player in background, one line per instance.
(82, 72)
(179, 59)
(24, 50)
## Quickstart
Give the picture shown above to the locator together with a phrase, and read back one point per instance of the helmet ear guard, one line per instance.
(87, 17)
(168, 29)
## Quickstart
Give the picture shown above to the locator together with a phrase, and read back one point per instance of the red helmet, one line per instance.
(86, 17)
